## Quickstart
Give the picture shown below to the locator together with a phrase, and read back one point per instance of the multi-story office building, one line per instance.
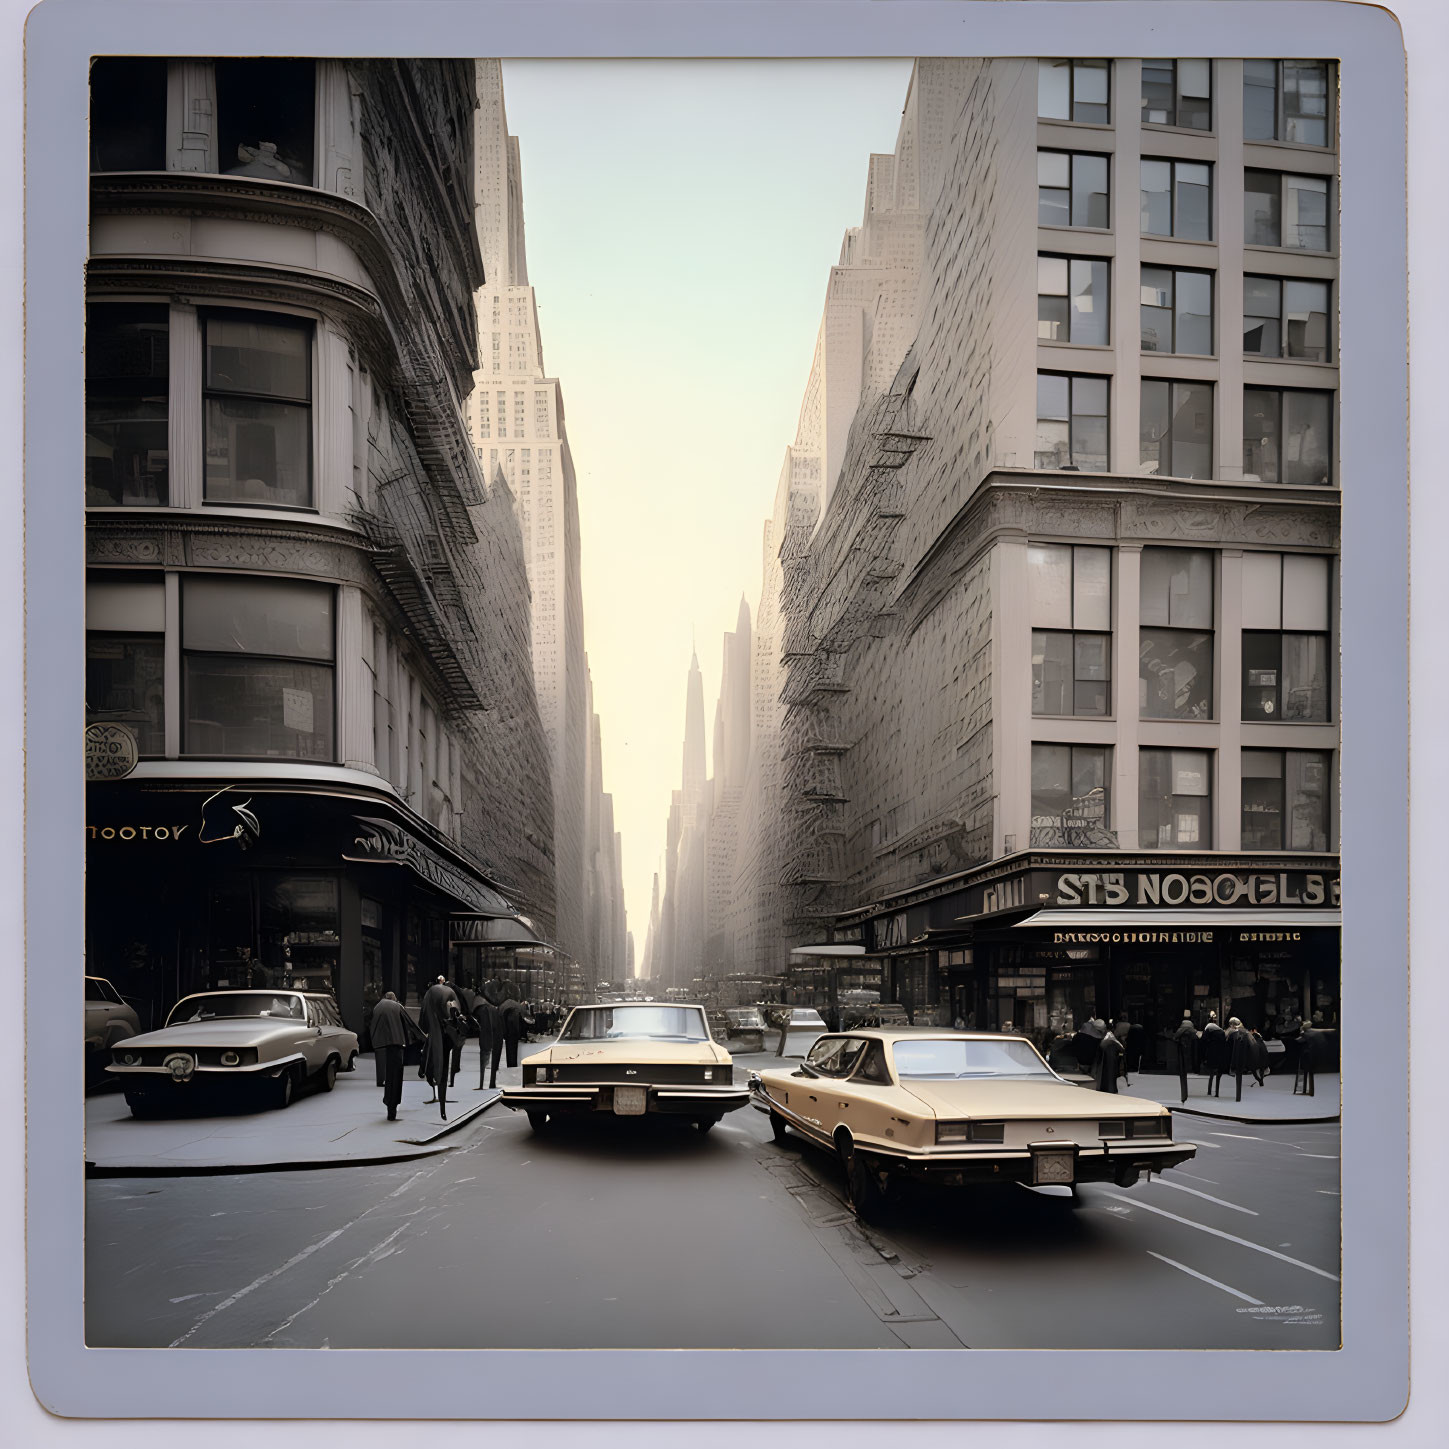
(303, 603)
(516, 419)
(1060, 716)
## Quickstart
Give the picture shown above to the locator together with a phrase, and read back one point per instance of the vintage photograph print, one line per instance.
(714, 717)
(974, 979)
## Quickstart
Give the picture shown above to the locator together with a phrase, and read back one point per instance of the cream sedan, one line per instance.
(958, 1108)
(630, 1059)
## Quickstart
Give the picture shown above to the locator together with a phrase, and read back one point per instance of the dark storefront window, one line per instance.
(257, 668)
(127, 380)
(1175, 644)
(128, 114)
(258, 398)
(298, 918)
(1175, 799)
(266, 119)
(125, 682)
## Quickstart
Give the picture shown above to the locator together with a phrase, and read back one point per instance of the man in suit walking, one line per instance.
(440, 1016)
(515, 1022)
(392, 1029)
(488, 1013)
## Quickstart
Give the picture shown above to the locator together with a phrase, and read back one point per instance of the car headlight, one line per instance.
(1111, 1129)
(1151, 1126)
(230, 1059)
(952, 1132)
(129, 1059)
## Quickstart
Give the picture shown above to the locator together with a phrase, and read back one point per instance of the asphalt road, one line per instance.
(645, 1235)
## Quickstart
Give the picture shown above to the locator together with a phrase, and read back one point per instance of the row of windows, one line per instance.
(1284, 804)
(1287, 432)
(1283, 100)
(1282, 316)
(1285, 611)
(1280, 209)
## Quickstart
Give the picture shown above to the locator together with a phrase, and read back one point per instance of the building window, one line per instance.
(1071, 189)
(1178, 93)
(1070, 794)
(127, 377)
(257, 668)
(1174, 799)
(1177, 428)
(1177, 311)
(1072, 302)
(1175, 640)
(1286, 100)
(266, 119)
(1073, 90)
(1285, 317)
(1287, 436)
(258, 400)
(1071, 422)
(126, 684)
(1285, 800)
(1285, 636)
(1177, 199)
(128, 114)
(1281, 210)
(1071, 639)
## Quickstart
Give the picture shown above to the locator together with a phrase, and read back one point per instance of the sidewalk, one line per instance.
(345, 1127)
(1272, 1102)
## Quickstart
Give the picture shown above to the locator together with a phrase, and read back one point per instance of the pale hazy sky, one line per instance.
(681, 220)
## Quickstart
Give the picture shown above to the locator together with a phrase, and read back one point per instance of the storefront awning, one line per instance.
(829, 948)
(1175, 917)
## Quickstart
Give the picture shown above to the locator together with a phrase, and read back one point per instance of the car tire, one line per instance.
(778, 1130)
(867, 1196)
(327, 1078)
(538, 1122)
(283, 1090)
(351, 1063)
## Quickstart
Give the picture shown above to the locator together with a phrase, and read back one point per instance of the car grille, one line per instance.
(668, 1075)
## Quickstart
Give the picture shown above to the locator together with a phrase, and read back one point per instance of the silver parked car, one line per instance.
(109, 1019)
(223, 1044)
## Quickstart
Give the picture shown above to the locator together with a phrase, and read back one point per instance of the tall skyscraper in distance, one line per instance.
(516, 421)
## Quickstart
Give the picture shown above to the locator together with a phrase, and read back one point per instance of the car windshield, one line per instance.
(746, 1018)
(948, 1058)
(658, 1023)
(236, 1003)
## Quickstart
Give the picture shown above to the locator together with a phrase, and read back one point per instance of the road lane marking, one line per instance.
(1207, 1196)
(1182, 1267)
(1326, 1156)
(1211, 1181)
(1219, 1233)
(1216, 1146)
(333, 1282)
(1244, 1137)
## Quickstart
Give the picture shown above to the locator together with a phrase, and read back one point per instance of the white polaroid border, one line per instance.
(1365, 1380)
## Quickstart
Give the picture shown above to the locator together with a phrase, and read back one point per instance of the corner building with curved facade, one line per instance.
(302, 596)
(1057, 652)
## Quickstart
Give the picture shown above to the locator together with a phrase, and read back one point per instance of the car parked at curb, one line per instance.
(109, 1019)
(261, 1046)
(959, 1108)
(630, 1059)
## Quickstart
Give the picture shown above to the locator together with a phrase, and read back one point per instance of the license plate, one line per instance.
(629, 1101)
(1049, 1167)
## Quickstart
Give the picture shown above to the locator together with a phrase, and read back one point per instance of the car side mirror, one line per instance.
(806, 1070)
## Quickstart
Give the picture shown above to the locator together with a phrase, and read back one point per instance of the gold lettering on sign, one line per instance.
(134, 832)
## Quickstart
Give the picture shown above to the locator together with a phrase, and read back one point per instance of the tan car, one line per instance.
(109, 1019)
(262, 1045)
(630, 1059)
(958, 1108)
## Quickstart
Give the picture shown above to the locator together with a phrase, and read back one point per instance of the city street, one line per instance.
(645, 1235)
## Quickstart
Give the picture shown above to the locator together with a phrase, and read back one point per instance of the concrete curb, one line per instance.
(422, 1145)
(1263, 1121)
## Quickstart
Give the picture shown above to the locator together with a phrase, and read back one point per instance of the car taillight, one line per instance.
(988, 1132)
(1151, 1126)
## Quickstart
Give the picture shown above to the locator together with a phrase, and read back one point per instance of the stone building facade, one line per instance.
(1057, 652)
(304, 601)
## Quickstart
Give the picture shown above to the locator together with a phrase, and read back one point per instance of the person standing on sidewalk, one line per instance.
(438, 1017)
(1240, 1053)
(1215, 1053)
(1185, 1038)
(392, 1028)
(1109, 1061)
(1123, 1030)
(515, 1022)
(488, 1014)
(1310, 1045)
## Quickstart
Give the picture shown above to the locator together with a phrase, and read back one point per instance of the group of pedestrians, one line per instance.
(442, 1026)
(1240, 1051)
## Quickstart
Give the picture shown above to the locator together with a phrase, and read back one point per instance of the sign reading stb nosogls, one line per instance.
(111, 752)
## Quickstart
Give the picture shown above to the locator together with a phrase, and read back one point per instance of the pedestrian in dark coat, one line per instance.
(1310, 1053)
(515, 1022)
(392, 1028)
(1185, 1039)
(1259, 1050)
(439, 1016)
(1086, 1043)
(1240, 1053)
(1124, 1031)
(488, 1013)
(1109, 1061)
(1215, 1053)
(459, 1036)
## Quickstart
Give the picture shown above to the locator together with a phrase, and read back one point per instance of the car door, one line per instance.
(314, 1044)
(840, 1094)
(872, 1094)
